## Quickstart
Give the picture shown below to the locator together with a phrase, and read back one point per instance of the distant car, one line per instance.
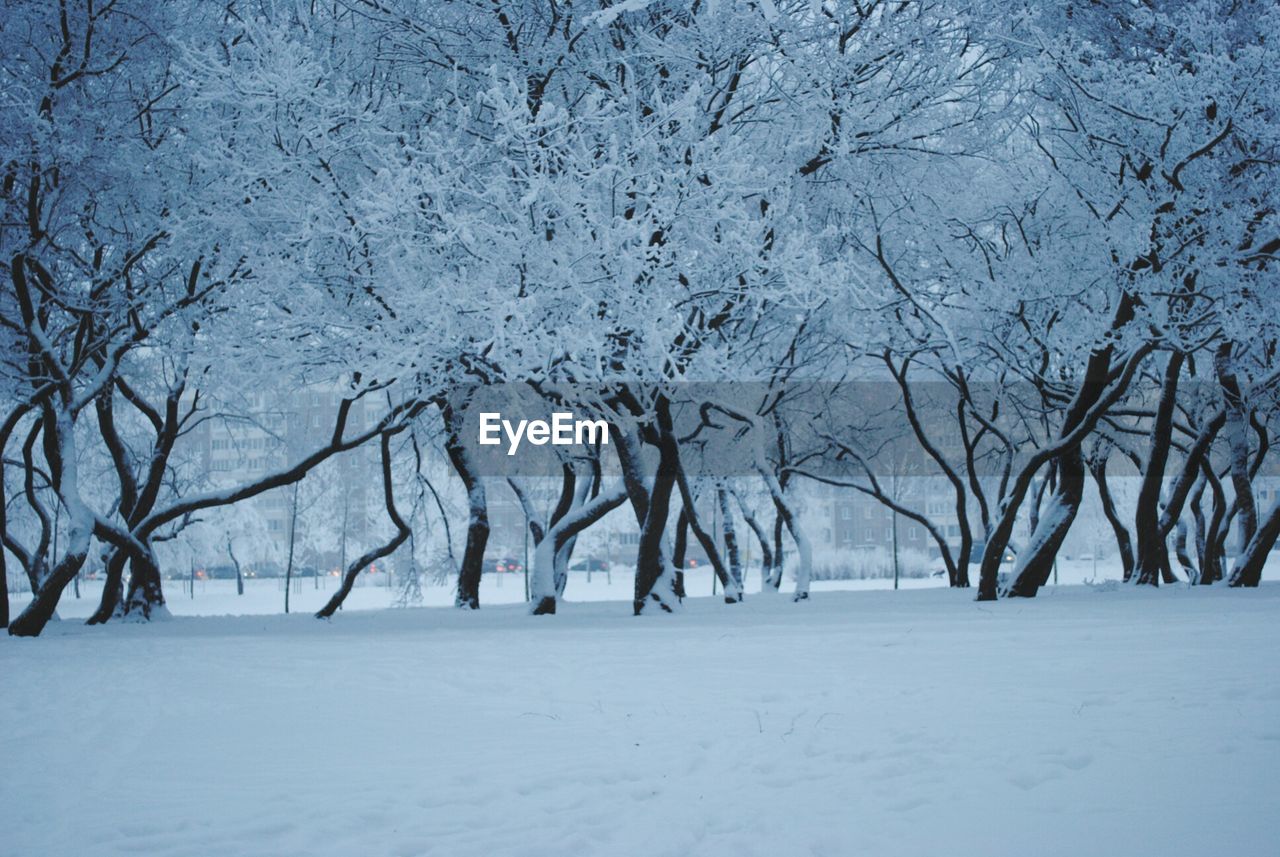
(506, 565)
(589, 565)
(221, 572)
(267, 569)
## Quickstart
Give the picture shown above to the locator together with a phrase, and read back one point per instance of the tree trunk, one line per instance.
(730, 537)
(472, 568)
(543, 593)
(1152, 552)
(373, 555)
(650, 556)
(732, 588)
(805, 571)
(293, 529)
(1098, 467)
(111, 603)
(145, 598)
(239, 578)
(1184, 556)
(681, 550)
(1083, 415)
(1248, 568)
(1237, 442)
(1036, 561)
(762, 537)
(1211, 560)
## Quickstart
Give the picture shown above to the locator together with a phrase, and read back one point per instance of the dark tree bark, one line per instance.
(960, 573)
(469, 574)
(138, 498)
(1086, 410)
(373, 555)
(730, 536)
(650, 555)
(1042, 550)
(762, 538)
(1184, 556)
(732, 588)
(680, 552)
(1248, 568)
(1151, 548)
(1098, 467)
(1198, 527)
(1237, 442)
(1211, 559)
(6, 431)
(31, 621)
(234, 561)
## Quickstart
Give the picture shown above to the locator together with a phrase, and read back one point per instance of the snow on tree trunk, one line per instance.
(762, 538)
(730, 536)
(543, 592)
(1248, 567)
(655, 575)
(1184, 556)
(144, 599)
(1035, 563)
(1237, 442)
(469, 574)
(31, 621)
(805, 571)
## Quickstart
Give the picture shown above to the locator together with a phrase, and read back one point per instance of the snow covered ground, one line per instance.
(1084, 722)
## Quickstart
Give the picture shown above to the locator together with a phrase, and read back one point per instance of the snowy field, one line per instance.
(1084, 722)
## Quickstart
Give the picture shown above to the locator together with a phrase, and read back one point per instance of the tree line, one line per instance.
(1050, 227)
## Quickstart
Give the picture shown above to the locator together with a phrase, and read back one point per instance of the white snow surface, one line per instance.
(1083, 722)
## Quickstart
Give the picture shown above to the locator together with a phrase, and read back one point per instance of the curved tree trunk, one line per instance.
(1248, 567)
(1036, 561)
(1098, 467)
(732, 588)
(654, 577)
(1212, 560)
(1152, 551)
(1184, 556)
(472, 568)
(1086, 410)
(1236, 431)
(377, 553)
(111, 603)
(762, 538)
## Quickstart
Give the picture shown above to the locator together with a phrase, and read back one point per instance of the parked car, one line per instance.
(589, 565)
(266, 569)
